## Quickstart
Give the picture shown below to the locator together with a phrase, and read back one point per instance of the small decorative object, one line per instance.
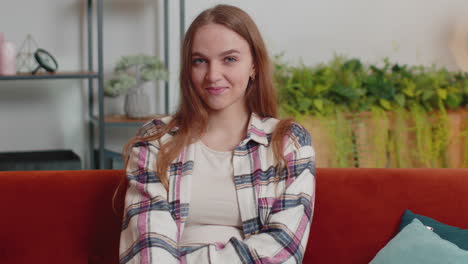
(8, 62)
(131, 72)
(1, 45)
(25, 57)
(45, 60)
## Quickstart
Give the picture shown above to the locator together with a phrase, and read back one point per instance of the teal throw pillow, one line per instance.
(416, 244)
(453, 234)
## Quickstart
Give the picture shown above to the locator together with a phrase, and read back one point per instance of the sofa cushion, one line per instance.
(453, 234)
(417, 244)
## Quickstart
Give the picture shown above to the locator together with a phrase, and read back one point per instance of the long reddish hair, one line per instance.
(192, 115)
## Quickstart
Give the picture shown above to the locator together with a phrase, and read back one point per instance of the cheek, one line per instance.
(196, 77)
(242, 77)
(238, 73)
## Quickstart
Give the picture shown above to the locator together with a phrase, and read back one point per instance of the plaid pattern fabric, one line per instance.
(276, 210)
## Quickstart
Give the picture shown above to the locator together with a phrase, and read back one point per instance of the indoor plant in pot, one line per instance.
(131, 73)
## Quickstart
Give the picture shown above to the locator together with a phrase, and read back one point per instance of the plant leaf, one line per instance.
(319, 104)
(385, 104)
(400, 99)
(442, 93)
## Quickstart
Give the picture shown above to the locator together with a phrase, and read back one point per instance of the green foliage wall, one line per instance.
(386, 115)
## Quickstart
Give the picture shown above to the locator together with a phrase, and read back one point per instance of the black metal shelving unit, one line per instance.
(90, 74)
(101, 121)
(120, 122)
(48, 76)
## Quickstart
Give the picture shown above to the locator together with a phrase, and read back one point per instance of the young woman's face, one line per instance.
(221, 67)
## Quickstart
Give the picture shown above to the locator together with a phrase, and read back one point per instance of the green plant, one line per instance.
(380, 137)
(422, 128)
(399, 148)
(356, 87)
(404, 102)
(340, 128)
(133, 70)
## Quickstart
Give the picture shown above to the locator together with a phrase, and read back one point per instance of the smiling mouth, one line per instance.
(216, 90)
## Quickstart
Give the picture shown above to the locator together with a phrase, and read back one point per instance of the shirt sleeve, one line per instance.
(283, 238)
(149, 232)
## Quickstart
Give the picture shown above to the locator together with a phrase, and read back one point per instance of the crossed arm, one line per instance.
(150, 233)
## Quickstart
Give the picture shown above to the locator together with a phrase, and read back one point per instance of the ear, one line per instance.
(252, 71)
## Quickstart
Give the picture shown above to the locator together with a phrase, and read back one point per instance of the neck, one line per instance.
(228, 121)
(225, 129)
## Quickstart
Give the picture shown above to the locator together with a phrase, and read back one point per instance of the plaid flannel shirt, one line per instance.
(276, 210)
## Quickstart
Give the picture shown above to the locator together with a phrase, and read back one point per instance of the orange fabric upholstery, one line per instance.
(357, 211)
(59, 217)
(67, 216)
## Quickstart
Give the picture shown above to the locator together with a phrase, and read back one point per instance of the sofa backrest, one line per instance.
(357, 211)
(59, 217)
(67, 216)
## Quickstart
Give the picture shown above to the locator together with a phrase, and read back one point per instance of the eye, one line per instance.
(230, 59)
(197, 61)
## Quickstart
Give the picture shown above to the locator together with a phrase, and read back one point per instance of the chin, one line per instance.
(216, 108)
(215, 105)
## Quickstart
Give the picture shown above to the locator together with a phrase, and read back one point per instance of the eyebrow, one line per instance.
(224, 53)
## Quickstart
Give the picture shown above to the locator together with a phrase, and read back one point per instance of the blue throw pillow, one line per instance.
(416, 244)
(453, 234)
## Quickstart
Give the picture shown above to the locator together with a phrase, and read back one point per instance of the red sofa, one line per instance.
(67, 217)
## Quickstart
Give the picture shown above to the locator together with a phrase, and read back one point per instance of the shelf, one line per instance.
(123, 121)
(94, 74)
(112, 160)
(45, 75)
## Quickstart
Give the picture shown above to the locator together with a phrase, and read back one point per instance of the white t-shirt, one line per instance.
(214, 214)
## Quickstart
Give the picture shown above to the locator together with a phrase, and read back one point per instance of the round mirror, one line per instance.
(45, 60)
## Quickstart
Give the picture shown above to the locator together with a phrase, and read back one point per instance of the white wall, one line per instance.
(43, 114)
(38, 115)
(413, 32)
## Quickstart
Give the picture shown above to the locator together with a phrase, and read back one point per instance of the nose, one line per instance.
(214, 73)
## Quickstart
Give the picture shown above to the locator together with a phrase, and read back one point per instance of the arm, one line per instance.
(149, 233)
(284, 236)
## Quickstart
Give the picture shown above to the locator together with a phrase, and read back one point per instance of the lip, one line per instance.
(216, 90)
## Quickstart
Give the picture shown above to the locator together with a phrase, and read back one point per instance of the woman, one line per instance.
(222, 180)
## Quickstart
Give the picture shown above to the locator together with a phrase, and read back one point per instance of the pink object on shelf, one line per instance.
(8, 58)
(1, 45)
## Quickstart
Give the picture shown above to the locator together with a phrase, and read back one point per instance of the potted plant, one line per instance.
(130, 73)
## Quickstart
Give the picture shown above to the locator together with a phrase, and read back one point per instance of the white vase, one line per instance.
(137, 104)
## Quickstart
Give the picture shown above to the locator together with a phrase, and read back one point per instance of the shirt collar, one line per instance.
(256, 131)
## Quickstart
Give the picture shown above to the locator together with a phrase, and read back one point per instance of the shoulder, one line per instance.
(299, 135)
(298, 148)
(151, 127)
(296, 134)
(147, 136)
(265, 124)
(145, 146)
(295, 138)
